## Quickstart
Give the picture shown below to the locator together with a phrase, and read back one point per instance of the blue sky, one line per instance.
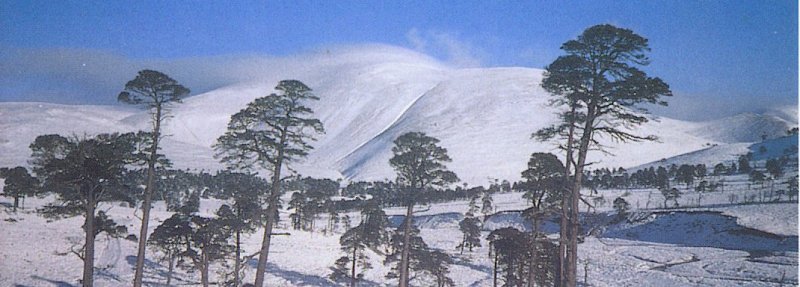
(740, 54)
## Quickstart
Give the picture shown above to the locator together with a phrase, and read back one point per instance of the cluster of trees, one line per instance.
(420, 165)
(698, 178)
(83, 172)
(195, 242)
(661, 177)
(311, 198)
(522, 258)
(358, 192)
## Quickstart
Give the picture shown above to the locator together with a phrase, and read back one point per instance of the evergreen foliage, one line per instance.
(156, 92)
(170, 238)
(670, 194)
(422, 260)
(470, 227)
(82, 172)
(513, 260)
(270, 133)
(621, 206)
(208, 242)
(419, 162)
(600, 86)
(18, 184)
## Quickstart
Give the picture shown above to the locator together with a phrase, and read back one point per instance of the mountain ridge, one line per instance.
(483, 116)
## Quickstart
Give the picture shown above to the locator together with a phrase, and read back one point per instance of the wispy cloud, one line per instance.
(84, 76)
(447, 46)
(79, 76)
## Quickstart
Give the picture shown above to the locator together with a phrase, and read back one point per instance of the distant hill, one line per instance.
(369, 96)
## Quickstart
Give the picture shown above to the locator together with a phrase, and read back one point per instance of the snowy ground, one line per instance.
(714, 244)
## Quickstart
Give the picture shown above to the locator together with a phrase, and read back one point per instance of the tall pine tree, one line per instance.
(600, 86)
(270, 133)
(156, 92)
(419, 162)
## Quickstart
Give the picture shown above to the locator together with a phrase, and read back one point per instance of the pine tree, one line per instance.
(720, 169)
(470, 228)
(18, 184)
(686, 174)
(156, 92)
(544, 178)
(599, 84)
(419, 162)
(670, 194)
(662, 178)
(775, 169)
(622, 206)
(297, 203)
(421, 258)
(487, 203)
(375, 225)
(270, 133)
(82, 173)
(242, 217)
(744, 163)
(353, 244)
(792, 187)
(208, 243)
(437, 264)
(370, 233)
(509, 254)
(758, 177)
(170, 238)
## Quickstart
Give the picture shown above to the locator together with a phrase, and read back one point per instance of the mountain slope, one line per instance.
(368, 97)
(746, 127)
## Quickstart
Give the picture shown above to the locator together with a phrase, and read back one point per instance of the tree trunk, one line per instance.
(88, 247)
(271, 210)
(464, 242)
(563, 230)
(534, 254)
(562, 240)
(406, 246)
(263, 256)
(171, 269)
(494, 273)
(148, 194)
(236, 264)
(16, 203)
(353, 269)
(204, 270)
(583, 149)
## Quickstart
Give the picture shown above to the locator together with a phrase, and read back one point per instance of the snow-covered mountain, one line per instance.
(746, 127)
(371, 95)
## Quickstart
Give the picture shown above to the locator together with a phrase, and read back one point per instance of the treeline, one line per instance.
(688, 174)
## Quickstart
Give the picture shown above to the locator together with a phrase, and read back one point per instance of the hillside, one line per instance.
(369, 96)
